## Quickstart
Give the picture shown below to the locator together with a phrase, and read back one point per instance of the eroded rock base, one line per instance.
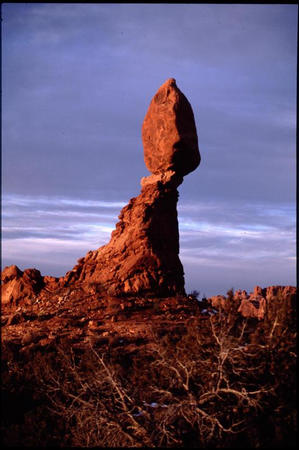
(142, 256)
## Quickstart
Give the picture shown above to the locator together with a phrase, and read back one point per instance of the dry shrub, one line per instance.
(222, 382)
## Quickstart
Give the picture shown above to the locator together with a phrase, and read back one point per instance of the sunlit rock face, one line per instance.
(20, 287)
(142, 257)
(169, 133)
(259, 302)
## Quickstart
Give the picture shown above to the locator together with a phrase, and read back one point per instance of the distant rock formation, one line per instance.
(142, 257)
(257, 303)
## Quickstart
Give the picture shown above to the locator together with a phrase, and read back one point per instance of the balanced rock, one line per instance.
(169, 132)
(142, 256)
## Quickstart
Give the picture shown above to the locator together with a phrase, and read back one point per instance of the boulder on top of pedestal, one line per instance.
(169, 133)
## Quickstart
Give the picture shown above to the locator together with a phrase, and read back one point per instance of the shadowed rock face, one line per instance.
(142, 256)
(169, 133)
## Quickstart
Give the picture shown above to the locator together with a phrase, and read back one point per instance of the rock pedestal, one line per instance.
(142, 257)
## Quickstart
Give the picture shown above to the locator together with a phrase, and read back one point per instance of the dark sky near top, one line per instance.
(77, 80)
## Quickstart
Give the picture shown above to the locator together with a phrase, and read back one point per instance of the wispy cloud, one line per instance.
(77, 81)
(216, 235)
(19, 200)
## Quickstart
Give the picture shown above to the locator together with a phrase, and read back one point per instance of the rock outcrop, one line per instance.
(259, 302)
(142, 257)
(20, 287)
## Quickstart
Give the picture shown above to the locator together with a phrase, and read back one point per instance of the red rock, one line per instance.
(257, 291)
(10, 273)
(217, 301)
(250, 309)
(142, 255)
(34, 277)
(273, 291)
(259, 301)
(240, 295)
(51, 283)
(20, 287)
(169, 133)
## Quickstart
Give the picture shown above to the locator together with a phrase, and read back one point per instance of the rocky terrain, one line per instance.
(257, 303)
(82, 318)
(80, 369)
(172, 370)
(39, 322)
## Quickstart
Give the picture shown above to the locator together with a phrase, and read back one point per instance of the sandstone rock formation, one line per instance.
(258, 302)
(142, 256)
(169, 132)
(20, 287)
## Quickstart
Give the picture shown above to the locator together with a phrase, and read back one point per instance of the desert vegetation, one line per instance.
(224, 381)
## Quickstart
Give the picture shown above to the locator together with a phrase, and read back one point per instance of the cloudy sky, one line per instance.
(77, 80)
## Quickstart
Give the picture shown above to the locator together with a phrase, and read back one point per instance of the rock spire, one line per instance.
(142, 257)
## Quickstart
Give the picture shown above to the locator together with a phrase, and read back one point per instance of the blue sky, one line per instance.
(77, 80)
